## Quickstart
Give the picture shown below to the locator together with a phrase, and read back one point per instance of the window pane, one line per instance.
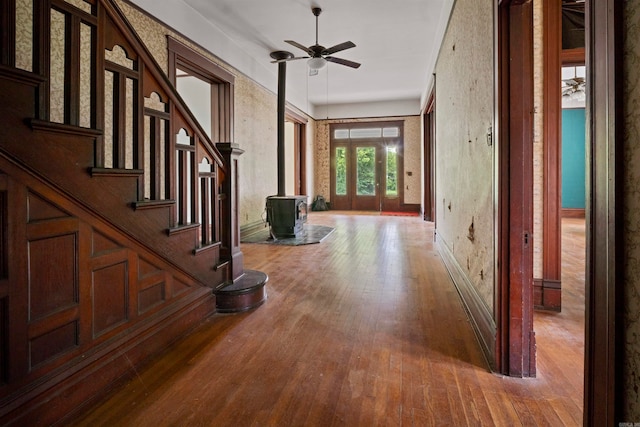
(393, 132)
(366, 133)
(366, 170)
(392, 172)
(341, 171)
(341, 134)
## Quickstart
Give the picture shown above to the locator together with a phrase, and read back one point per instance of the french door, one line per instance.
(366, 173)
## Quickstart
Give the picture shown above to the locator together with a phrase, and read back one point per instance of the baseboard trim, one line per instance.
(479, 314)
(251, 228)
(572, 213)
(410, 207)
(547, 295)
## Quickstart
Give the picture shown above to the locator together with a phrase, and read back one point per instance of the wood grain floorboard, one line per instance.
(363, 329)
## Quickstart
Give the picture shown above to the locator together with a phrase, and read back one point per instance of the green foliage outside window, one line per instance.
(366, 169)
(392, 171)
(341, 171)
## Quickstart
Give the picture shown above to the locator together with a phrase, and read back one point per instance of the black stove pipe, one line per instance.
(281, 56)
(282, 79)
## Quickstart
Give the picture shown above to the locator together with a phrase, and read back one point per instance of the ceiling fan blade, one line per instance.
(342, 61)
(289, 59)
(338, 48)
(299, 46)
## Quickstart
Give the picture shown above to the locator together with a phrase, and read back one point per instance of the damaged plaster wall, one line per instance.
(464, 158)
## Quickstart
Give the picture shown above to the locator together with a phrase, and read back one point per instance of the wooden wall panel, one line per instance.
(151, 297)
(53, 343)
(4, 343)
(179, 287)
(110, 292)
(53, 281)
(102, 244)
(151, 284)
(39, 210)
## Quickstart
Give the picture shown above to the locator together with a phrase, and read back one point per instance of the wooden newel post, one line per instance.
(245, 289)
(230, 227)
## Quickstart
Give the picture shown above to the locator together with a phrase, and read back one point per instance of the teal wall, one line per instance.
(573, 160)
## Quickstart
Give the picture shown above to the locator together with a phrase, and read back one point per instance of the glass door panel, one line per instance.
(341, 171)
(391, 187)
(366, 167)
(366, 180)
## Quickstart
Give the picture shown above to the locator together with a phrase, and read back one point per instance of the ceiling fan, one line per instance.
(574, 87)
(318, 54)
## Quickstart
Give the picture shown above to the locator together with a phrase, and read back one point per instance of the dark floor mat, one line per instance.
(312, 234)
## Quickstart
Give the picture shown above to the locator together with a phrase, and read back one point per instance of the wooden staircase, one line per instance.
(117, 212)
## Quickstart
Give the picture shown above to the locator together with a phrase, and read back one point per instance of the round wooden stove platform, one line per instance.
(246, 292)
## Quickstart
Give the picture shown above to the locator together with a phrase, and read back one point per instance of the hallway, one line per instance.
(365, 328)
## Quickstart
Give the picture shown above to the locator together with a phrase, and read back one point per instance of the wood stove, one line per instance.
(286, 215)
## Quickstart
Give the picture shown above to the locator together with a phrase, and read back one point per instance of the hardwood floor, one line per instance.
(363, 329)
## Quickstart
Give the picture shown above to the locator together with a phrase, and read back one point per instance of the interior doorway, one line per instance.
(429, 155)
(295, 153)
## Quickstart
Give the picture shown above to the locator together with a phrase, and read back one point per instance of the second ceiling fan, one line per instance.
(318, 54)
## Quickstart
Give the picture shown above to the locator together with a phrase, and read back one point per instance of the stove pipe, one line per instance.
(281, 57)
(282, 79)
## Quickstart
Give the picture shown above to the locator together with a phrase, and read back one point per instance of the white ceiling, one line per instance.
(397, 43)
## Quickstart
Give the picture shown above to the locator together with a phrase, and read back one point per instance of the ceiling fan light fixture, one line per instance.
(317, 63)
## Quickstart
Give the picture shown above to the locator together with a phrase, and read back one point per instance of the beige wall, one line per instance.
(464, 160)
(412, 159)
(631, 366)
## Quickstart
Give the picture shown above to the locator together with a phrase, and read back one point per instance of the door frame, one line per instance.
(429, 156)
(548, 290)
(515, 337)
(299, 150)
(604, 342)
(604, 330)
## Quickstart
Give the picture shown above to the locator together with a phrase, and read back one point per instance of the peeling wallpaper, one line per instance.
(412, 156)
(631, 152)
(465, 162)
